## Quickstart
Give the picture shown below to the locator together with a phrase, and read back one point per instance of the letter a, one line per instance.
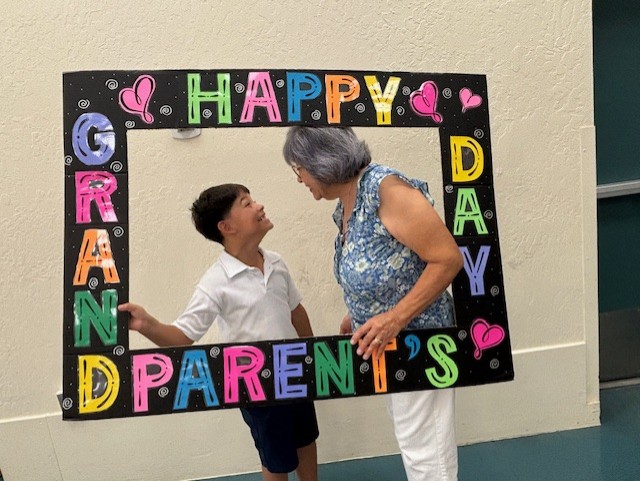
(95, 252)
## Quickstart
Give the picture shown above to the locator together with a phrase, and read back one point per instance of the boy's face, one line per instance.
(247, 217)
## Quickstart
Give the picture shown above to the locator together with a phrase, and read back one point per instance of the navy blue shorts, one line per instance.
(278, 431)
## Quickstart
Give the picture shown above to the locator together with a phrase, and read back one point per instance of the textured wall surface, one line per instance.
(537, 56)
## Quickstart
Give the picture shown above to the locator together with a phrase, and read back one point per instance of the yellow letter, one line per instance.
(458, 172)
(382, 102)
(86, 365)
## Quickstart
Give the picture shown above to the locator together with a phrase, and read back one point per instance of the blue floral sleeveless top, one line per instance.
(374, 269)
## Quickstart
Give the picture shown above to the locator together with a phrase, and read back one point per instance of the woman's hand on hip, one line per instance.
(374, 335)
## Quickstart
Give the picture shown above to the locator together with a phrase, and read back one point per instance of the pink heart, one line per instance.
(468, 99)
(485, 335)
(136, 100)
(425, 100)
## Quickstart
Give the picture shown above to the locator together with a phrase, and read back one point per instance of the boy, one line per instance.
(251, 295)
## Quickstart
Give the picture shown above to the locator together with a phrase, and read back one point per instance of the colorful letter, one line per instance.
(187, 382)
(458, 172)
(87, 311)
(104, 138)
(86, 366)
(435, 346)
(222, 97)
(475, 270)
(233, 371)
(283, 370)
(95, 252)
(382, 102)
(326, 367)
(335, 96)
(98, 187)
(297, 94)
(143, 381)
(380, 368)
(262, 81)
(468, 209)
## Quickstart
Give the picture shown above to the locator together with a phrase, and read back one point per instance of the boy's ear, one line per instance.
(225, 227)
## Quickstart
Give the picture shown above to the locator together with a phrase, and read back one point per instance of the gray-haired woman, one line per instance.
(394, 259)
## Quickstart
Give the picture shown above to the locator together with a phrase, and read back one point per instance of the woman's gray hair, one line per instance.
(332, 155)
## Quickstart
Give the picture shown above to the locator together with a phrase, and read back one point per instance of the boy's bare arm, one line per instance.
(160, 334)
(300, 321)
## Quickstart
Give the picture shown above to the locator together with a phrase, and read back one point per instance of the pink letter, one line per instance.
(143, 381)
(233, 371)
(267, 100)
(96, 186)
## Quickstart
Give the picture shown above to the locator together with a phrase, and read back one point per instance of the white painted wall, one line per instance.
(537, 56)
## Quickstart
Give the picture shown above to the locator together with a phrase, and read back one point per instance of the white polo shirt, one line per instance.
(247, 304)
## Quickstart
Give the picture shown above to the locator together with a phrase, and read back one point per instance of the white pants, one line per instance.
(424, 425)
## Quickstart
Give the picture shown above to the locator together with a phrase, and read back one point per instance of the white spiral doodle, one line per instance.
(129, 124)
(68, 160)
(478, 133)
(401, 374)
(406, 90)
(360, 107)
(239, 88)
(118, 350)
(206, 113)
(116, 166)
(494, 364)
(308, 360)
(214, 351)
(166, 110)
(448, 189)
(279, 83)
(111, 84)
(266, 374)
(488, 214)
(67, 403)
(462, 335)
(316, 114)
(118, 231)
(446, 93)
(364, 367)
(400, 110)
(83, 103)
(93, 283)
(163, 391)
(495, 290)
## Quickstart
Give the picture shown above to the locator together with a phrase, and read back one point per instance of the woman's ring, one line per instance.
(377, 341)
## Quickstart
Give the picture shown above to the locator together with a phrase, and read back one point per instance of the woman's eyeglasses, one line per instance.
(296, 170)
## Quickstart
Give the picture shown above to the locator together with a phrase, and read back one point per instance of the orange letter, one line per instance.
(95, 252)
(380, 368)
(335, 96)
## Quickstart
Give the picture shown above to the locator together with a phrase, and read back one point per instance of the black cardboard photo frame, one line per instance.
(102, 378)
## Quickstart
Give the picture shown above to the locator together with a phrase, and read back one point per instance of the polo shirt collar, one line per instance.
(233, 266)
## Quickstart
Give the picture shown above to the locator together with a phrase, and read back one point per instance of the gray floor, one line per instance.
(610, 452)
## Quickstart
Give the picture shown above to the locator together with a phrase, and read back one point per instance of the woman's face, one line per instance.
(318, 189)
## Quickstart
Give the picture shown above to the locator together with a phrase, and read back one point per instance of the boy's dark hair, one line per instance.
(212, 206)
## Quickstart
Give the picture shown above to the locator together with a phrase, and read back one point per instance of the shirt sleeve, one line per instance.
(199, 315)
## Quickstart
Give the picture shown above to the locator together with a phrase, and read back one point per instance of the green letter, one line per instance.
(195, 96)
(468, 209)
(326, 366)
(87, 311)
(435, 346)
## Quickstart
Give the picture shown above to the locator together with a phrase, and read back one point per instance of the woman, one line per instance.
(394, 259)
